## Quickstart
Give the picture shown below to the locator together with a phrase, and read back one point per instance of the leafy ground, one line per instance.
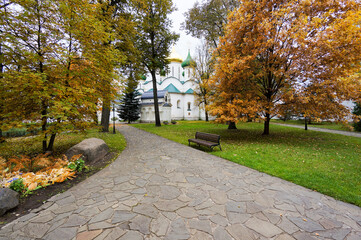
(32, 146)
(325, 162)
(328, 125)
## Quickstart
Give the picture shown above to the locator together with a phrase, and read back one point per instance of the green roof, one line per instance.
(188, 60)
(172, 89)
(190, 91)
(143, 77)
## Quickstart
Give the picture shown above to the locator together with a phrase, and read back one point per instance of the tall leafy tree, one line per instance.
(207, 19)
(154, 39)
(275, 51)
(51, 73)
(202, 70)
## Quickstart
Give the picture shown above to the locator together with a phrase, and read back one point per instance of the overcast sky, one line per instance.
(185, 41)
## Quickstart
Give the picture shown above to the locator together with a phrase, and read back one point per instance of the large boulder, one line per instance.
(92, 150)
(8, 199)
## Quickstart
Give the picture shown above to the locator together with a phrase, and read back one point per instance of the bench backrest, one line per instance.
(208, 137)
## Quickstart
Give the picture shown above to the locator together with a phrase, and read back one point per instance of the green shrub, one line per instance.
(174, 122)
(17, 185)
(165, 122)
(78, 165)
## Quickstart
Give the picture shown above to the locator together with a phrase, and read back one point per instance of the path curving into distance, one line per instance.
(159, 189)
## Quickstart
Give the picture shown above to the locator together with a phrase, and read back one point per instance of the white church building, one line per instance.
(175, 87)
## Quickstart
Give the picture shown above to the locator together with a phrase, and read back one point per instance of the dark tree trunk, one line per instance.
(205, 107)
(232, 125)
(51, 143)
(43, 125)
(105, 115)
(266, 124)
(155, 97)
(305, 123)
(206, 116)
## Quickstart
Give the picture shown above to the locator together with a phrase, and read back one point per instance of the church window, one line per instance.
(189, 73)
(178, 104)
(172, 71)
(178, 72)
(165, 99)
(189, 106)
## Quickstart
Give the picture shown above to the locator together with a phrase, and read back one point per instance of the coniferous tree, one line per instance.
(129, 107)
(357, 111)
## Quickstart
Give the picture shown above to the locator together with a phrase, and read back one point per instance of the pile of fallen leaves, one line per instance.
(40, 171)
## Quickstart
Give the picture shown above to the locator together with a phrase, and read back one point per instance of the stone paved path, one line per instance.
(158, 189)
(346, 133)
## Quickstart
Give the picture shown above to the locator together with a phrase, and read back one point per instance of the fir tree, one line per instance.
(129, 107)
(357, 111)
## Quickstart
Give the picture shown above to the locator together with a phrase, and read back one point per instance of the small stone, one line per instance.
(65, 233)
(169, 192)
(141, 224)
(221, 234)
(267, 229)
(146, 209)
(159, 226)
(107, 214)
(219, 197)
(308, 226)
(239, 232)
(122, 216)
(187, 212)
(75, 221)
(219, 220)
(177, 230)
(202, 225)
(88, 235)
(169, 205)
(132, 235)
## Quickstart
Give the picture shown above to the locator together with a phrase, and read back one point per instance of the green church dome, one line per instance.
(143, 77)
(189, 61)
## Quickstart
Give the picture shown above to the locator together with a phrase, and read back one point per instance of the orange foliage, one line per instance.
(279, 53)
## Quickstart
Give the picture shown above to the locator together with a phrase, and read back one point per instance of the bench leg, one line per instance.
(220, 147)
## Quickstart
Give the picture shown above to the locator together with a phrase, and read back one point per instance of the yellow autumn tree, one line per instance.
(55, 58)
(274, 51)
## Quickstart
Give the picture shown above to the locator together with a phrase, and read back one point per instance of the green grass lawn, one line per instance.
(33, 145)
(325, 162)
(328, 125)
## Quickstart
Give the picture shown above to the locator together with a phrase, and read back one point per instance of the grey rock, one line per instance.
(177, 230)
(146, 209)
(265, 228)
(9, 199)
(141, 224)
(306, 224)
(107, 214)
(132, 235)
(92, 150)
(61, 233)
(221, 234)
(202, 225)
(169, 205)
(122, 216)
(239, 232)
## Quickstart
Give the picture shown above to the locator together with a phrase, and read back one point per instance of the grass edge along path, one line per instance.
(324, 162)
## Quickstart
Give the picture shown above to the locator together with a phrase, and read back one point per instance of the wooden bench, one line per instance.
(206, 139)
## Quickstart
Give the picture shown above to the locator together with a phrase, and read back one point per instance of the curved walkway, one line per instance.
(346, 133)
(159, 189)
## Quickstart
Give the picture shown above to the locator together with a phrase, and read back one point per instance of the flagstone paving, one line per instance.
(159, 189)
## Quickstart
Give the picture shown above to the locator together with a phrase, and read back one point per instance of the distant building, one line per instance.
(175, 92)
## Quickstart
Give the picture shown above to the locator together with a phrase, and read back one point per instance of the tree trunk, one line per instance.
(305, 123)
(232, 125)
(206, 112)
(266, 124)
(105, 115)
(51, 143)
(155, 97)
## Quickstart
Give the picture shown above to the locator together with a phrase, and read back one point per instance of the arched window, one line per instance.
(165, 99)
(178, 72)
(189, 106)
(189, 73)
(178, 104)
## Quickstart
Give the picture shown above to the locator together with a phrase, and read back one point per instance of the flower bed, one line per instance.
(26, 174)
